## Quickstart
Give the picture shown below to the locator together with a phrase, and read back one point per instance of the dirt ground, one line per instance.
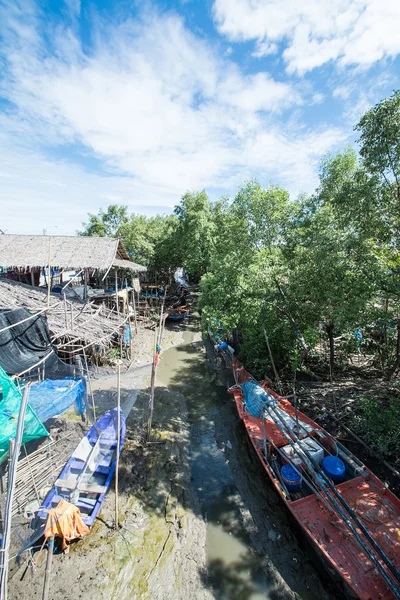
(158, 550)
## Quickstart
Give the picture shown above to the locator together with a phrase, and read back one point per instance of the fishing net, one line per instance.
(54, 396)
(9, 410)
(256, 398)
(25, 344)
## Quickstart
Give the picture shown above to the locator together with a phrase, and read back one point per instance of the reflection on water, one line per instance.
(235, 571)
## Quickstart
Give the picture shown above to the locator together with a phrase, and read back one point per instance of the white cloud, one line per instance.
(38, 193)
(352, 32)
(155, 104)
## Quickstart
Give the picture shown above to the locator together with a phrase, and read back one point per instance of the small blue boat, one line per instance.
(177, 314)
(87, 475)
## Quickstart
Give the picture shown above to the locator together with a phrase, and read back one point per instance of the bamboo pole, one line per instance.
(152, 385)
(116, 290)
(32, 477)
(49, 275)
(90, 386)
(85, 285)
(65, 312)
(5, 542)
(30, 317)
(360, 441)
(41, 361)
(272, 360)
(49, 561)
(134, 309)
(118, 442)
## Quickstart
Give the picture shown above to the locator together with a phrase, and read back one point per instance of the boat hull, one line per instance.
(103, 437)
(366, 494)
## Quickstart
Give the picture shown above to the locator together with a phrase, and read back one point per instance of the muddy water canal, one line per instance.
(253, 551)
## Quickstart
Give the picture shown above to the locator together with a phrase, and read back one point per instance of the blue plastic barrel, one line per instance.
(334, 468)
(291, 478)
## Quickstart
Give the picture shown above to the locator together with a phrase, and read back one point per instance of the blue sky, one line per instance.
(112, 101)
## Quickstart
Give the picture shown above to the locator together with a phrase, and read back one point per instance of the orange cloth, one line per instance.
(65, 521)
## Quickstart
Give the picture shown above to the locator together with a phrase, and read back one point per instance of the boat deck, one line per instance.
(374, 504)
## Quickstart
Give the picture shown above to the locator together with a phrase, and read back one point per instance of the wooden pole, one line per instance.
(360, 441)
(85, 285)
(138, 299)
(90, 386)
(49, 275)
(12, 476)
(32, 477)
(116, 290)
(272, 360)
(118, 442)
(152, 386)
(65, 311)
(49, 561)
(134, 309)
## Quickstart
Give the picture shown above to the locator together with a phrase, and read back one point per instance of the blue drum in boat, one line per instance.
(291, 478)
(334, 468)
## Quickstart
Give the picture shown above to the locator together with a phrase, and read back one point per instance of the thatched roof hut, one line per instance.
(74, 252)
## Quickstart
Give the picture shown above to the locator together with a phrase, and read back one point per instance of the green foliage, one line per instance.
(195, 233)
(380, 141)
(106, 223)
(377, 422)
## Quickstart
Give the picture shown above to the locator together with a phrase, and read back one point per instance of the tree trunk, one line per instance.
(397, 361)
(329, 331)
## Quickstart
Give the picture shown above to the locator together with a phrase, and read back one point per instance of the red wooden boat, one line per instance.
(346, 551)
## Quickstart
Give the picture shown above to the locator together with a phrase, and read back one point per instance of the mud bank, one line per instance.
(158, 550)
(197, 517)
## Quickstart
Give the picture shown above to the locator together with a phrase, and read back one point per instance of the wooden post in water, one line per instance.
(118, 442)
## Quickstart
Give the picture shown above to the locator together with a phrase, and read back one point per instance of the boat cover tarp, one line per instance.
(24, 345)
(53, 396)
(9, 411)
(256, 398)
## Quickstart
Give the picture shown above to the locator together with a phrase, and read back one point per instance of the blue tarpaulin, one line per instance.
(256, 398)
(54, 396)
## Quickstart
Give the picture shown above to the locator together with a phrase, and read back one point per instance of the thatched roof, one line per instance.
(128, 264)
(75, 252)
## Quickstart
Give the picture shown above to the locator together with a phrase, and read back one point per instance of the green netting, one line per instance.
(9, 410)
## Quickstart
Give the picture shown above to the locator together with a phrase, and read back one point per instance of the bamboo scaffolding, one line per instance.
(95, 325)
